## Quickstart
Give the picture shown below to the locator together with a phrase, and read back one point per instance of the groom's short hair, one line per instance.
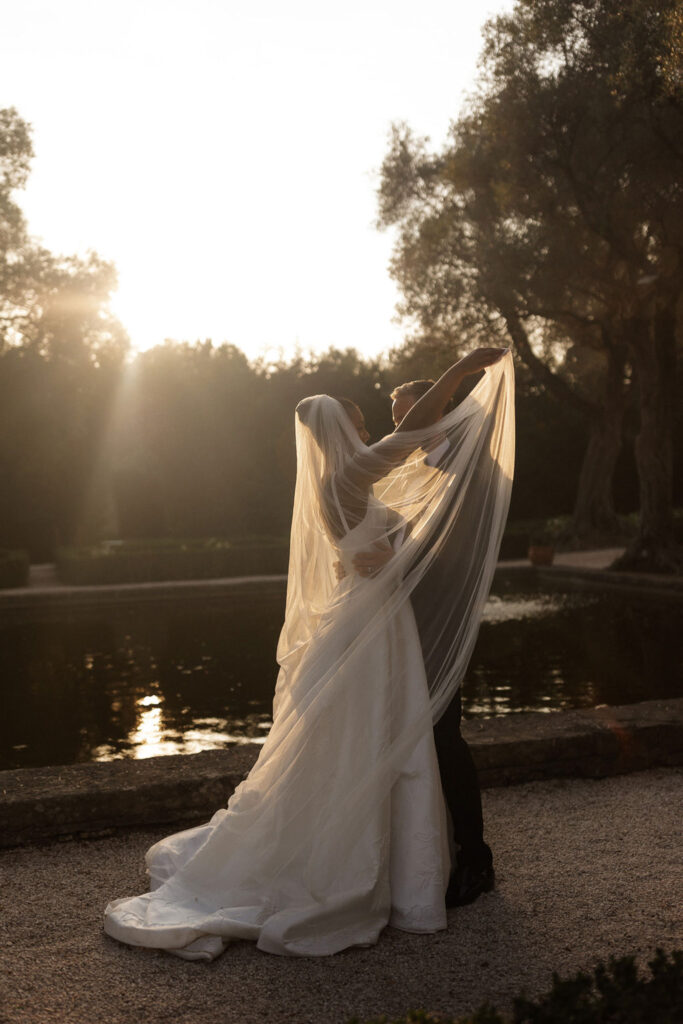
(418, 388)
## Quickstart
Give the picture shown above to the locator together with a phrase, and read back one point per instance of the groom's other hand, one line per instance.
(367, 563)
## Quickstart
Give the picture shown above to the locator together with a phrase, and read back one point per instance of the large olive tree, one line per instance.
(554, 218)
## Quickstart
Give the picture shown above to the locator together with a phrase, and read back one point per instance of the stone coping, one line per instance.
(56, 599)
(91, 800)
(106, 595)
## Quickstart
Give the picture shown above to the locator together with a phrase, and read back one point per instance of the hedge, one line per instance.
(145, 561)
(148, 560)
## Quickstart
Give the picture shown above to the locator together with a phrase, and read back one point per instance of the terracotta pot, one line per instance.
(541, 554)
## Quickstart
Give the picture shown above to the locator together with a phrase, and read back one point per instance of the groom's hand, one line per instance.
(367, 563)
(480, 359)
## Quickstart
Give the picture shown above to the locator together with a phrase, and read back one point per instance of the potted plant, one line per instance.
(541, 548)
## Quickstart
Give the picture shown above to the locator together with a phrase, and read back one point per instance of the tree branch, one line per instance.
(542, 373)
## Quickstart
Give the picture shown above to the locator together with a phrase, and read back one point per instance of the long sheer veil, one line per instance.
(447, 491)
(447, 488)
(300, 859)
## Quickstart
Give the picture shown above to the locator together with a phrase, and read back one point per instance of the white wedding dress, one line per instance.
(284, 865)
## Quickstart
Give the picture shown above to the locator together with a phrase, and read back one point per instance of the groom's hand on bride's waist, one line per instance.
(367, 563)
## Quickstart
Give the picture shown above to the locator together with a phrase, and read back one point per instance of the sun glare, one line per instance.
(236, 198)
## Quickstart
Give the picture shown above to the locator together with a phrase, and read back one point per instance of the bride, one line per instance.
(340, 827)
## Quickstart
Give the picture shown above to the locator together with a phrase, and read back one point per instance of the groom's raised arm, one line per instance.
(429, 408)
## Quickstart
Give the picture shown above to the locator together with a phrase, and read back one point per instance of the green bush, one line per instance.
(557, 530)
(613, 994)
(14, 566)
(146, 561)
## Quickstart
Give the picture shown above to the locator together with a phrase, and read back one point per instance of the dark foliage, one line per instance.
(147, 561)
(14, 566)
(195, 441)
(615, 993)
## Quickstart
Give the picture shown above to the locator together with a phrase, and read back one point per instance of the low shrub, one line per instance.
(557, 530)
(615, 993)
(142, 561)
(14, 566)
(147, 561)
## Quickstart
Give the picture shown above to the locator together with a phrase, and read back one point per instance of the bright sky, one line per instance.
(225, 155)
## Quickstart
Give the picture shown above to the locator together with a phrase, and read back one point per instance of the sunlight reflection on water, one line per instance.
(151, 739)
(520, 607)
(184, 681)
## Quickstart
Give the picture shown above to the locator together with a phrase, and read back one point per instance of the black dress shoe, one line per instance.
(468, 883)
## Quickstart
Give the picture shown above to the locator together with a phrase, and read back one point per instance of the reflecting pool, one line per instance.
(137, 681)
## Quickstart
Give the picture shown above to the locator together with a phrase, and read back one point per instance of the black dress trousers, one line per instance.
(461, 788)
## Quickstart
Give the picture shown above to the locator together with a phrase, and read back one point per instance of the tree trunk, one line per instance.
(595, 517)
(654, 350)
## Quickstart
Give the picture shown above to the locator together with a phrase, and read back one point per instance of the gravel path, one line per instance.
(585, 869)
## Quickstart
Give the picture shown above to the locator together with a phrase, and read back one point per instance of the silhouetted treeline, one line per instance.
(195, 441)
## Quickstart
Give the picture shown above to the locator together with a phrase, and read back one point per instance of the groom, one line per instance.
(473, 873)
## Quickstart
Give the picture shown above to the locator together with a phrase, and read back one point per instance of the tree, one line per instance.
(16, 152)
(554, 209)
(61, 353)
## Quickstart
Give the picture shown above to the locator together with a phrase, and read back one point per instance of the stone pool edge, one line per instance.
(60, 599)
(92, 800)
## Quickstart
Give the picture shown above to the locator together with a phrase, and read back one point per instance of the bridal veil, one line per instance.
(447, 488)
(300, 860)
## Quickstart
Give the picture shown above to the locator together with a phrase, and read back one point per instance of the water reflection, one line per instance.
(152, 737)
(517, 608)
(149, 734)
(164, 681)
